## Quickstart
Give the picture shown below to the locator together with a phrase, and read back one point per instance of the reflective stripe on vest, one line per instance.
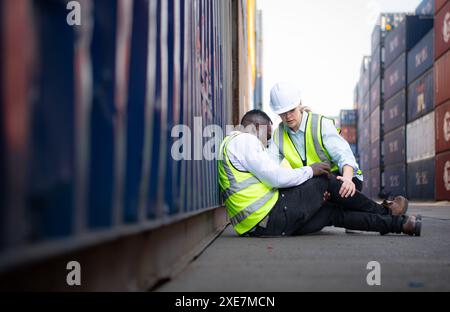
(247, 199)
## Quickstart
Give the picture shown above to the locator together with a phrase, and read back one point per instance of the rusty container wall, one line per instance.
(442, 129)
(395, 112)
(349, 134)
(420, 139)
(439, 4)
(395, 180)
(443, 176)
(442, 31)
(442, 79)
(421, 179)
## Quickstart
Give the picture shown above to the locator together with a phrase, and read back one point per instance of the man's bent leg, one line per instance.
(359, 202)
(333, 215)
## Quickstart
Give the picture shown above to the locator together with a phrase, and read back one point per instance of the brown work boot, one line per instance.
(397, 207)
(413, 225)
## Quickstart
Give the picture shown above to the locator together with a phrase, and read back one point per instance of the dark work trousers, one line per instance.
(301, 210)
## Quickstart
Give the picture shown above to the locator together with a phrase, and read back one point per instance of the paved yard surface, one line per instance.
(328, 261)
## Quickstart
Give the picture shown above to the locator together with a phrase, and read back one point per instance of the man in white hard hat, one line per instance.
(264, 199)
(304, 138)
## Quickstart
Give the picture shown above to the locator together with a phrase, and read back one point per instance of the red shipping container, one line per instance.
(442, 31)
(443, 176)
(439, 4)
(443, 128)
(349, 134)
(442, 79)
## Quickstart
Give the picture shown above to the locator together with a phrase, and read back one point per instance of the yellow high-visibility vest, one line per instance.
(247, 199)
(315, 151)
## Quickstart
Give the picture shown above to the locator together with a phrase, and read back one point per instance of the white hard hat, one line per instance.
(284, 97)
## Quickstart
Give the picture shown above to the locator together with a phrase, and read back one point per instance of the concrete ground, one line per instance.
(327, 261)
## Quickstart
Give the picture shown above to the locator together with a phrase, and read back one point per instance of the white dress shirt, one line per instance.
(247, 153)
(338, 148)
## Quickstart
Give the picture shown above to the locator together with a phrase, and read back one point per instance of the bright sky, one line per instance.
(319, 45)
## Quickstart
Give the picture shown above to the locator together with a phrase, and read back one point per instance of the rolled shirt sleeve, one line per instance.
(338, 148)
(247, 151)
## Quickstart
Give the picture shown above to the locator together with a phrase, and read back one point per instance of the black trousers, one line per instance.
(302, 210)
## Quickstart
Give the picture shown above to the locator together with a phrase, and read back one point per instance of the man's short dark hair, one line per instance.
(254, 117)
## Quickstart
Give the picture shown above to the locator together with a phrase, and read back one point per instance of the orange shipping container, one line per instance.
(443, 128)
(442, 79)
(443, 176)
(349, 133)
(442, 31)
(439, 5)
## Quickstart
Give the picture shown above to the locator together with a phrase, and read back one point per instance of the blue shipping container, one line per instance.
(375, 153)
(375, 65)
(402, 39)
(426, 7)
(365, 106)
(395, 147)
(52, 126)
(421, 96)
(375, 125)
(395, 112)
(421, 179)
(375, 182)
(364, 158)
(348, 117)
(375, 95)
(421, 57)
(364, 134)
(395, 78)
(395, 180)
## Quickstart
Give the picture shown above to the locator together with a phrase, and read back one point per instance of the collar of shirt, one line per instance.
(302, 125)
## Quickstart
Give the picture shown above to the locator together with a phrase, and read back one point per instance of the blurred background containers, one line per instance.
(442, 99)
(395, 112)
(426, 7)
(409, 32)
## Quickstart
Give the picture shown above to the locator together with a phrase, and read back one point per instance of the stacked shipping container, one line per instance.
(386, 22)
(364, 122)
(442, 99)
(347, 121)
(420, 153)
(95, 106)
(399, 43)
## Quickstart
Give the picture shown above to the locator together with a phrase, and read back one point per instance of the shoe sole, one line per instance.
(418, 228)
